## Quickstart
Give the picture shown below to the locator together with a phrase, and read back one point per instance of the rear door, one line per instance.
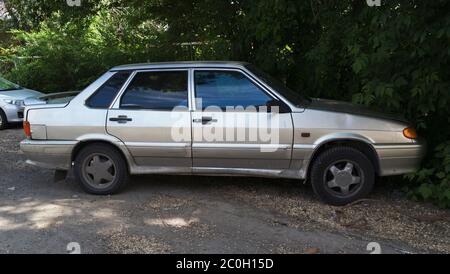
(152, 118)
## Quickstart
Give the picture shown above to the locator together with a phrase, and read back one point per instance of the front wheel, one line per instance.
(341, 175)
(100, 169)
(3, 120)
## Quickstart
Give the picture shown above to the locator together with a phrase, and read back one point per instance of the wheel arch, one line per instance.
(85, 143)
(4, 118)
(2, 111)
(358, 142)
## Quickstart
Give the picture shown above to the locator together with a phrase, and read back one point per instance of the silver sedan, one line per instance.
(216, 118)
(11, 102)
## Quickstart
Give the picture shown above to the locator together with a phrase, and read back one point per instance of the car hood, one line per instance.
(20, 94)
(346, 107)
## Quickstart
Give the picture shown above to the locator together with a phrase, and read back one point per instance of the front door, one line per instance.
(235, 124)
(153, 120)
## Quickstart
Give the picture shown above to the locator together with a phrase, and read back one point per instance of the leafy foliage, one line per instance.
(395, 56)
(439, 171)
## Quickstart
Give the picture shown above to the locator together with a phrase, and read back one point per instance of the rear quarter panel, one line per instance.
(72, 120)
(68, 123)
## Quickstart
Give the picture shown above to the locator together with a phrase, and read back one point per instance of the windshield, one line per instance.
(294, 97)
(7, 85)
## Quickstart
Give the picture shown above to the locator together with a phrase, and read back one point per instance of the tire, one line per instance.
(100, 169)
(3, 120)
(335, 173)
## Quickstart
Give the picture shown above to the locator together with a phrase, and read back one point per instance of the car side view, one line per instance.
(216, 118)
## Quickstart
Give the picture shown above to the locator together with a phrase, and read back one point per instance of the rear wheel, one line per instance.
(3, 120)
(341, 175)
(100, 169)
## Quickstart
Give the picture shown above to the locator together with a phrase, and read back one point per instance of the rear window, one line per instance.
(104, 96)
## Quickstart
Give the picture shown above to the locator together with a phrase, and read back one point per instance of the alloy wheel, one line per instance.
(343, 178)
(99, 170)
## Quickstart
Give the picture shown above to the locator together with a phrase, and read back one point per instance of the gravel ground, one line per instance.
(183, 214)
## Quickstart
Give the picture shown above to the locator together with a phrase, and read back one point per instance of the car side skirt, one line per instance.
(393, 159)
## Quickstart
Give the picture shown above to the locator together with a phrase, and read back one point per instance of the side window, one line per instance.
(104, 96)
(228, 89)
(159, 90)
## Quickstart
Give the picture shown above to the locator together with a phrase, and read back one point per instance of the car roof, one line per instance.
(190, 64)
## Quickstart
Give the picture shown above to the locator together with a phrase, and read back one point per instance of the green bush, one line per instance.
(397, 58)
(68, 56)
(438, 171)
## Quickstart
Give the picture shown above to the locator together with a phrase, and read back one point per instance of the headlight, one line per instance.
(19, 102)
(14, 102)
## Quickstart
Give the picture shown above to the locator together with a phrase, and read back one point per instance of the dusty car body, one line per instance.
(11, 102)
(124, 122)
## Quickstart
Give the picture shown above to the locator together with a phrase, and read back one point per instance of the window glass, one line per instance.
(228, 89)
(104, 96)
(6, 85)
(160, 90)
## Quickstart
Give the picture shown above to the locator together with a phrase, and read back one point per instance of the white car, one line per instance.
(11, 101)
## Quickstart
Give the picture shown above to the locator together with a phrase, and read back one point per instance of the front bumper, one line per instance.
(399, 159)
(48, 154)
(14, 113)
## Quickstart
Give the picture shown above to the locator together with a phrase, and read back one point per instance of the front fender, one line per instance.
(362, 141)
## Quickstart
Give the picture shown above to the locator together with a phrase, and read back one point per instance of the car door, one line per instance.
(235, 123)
(152, 118)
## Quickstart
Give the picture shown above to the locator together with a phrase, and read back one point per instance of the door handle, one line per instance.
(121, 119)
(205, 120)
